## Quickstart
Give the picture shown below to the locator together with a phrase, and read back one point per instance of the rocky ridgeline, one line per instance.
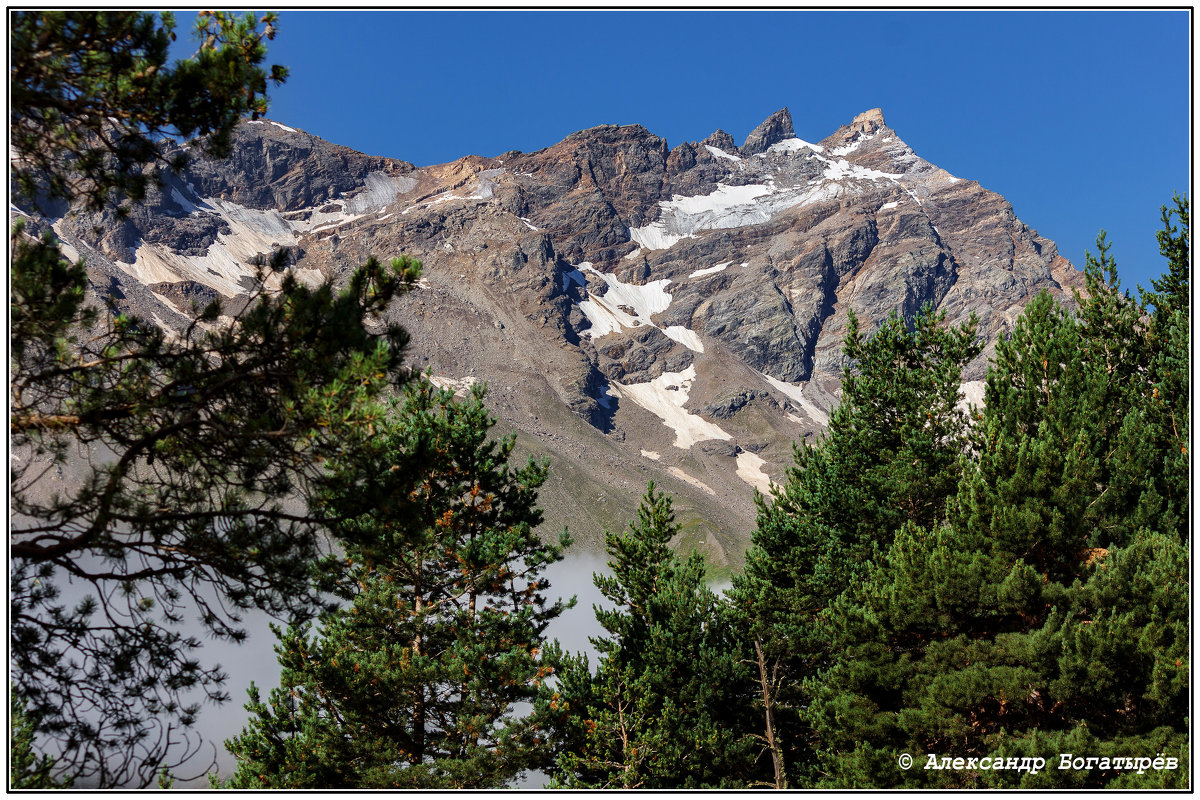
(638, 311)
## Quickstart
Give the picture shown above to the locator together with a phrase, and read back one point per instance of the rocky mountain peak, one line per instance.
(720, 140)
(868, 122)
(774, 129)
(638, 312)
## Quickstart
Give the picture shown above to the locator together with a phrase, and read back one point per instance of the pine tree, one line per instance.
(414, 684)
(891, 456)
(92, 97)
(1047, 613)
(27, 768)
(663, 708)
(183, 455)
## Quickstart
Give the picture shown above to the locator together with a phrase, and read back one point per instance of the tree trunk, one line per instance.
(418, 717)
(769, 689)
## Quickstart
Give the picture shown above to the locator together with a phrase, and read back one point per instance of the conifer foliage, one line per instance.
(1047, 613)
(414, 684)
(92, 96)
(892, 455)
(157, 473)
(665, 707)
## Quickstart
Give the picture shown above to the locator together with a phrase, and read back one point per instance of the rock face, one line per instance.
(774, 129)
(638, 311)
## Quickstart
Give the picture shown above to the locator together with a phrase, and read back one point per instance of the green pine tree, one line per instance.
(27, 768)
(415, 683)
(1047, 613)
(891, 456)
(664, 707)
(93, 97)
(182, 455)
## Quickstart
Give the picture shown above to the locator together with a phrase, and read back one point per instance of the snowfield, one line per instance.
(796, 392)
(253, 232)
(749, 469)
(627, 305)
(665, 397)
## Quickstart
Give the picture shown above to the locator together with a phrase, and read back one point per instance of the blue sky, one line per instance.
(1080, 118)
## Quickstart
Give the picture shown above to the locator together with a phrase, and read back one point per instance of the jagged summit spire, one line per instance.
(869, 121)
(774, 128)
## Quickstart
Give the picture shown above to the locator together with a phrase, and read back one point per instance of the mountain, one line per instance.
(637, 311)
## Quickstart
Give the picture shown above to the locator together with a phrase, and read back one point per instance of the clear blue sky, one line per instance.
(1080, 118)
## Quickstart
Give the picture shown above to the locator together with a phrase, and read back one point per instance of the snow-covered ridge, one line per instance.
(751, 204)
(794, 145)
(271, 122)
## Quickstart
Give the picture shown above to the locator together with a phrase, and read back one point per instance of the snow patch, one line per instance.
(187, 205)
(846, 149)
(651, 454)
(484, 190)
(794, 145)
(528, 224)
(972, 395)
(252, 232)
(886, 206)
(68, 251)
(665, 397)
(655, 237)
(841, 169)
(749, 469)
(735, 206)
(722, 198)
(685, 336)
(682, 217)
(575, 276)
(683, 476)
(379, 191)
(719, 153)
(710, 270)
(627, 305)
(796, 392)
(606, 399)
(624, 305)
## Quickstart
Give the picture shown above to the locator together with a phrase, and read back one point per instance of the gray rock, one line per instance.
(722, 141)
(773, 129)
(716, 447)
